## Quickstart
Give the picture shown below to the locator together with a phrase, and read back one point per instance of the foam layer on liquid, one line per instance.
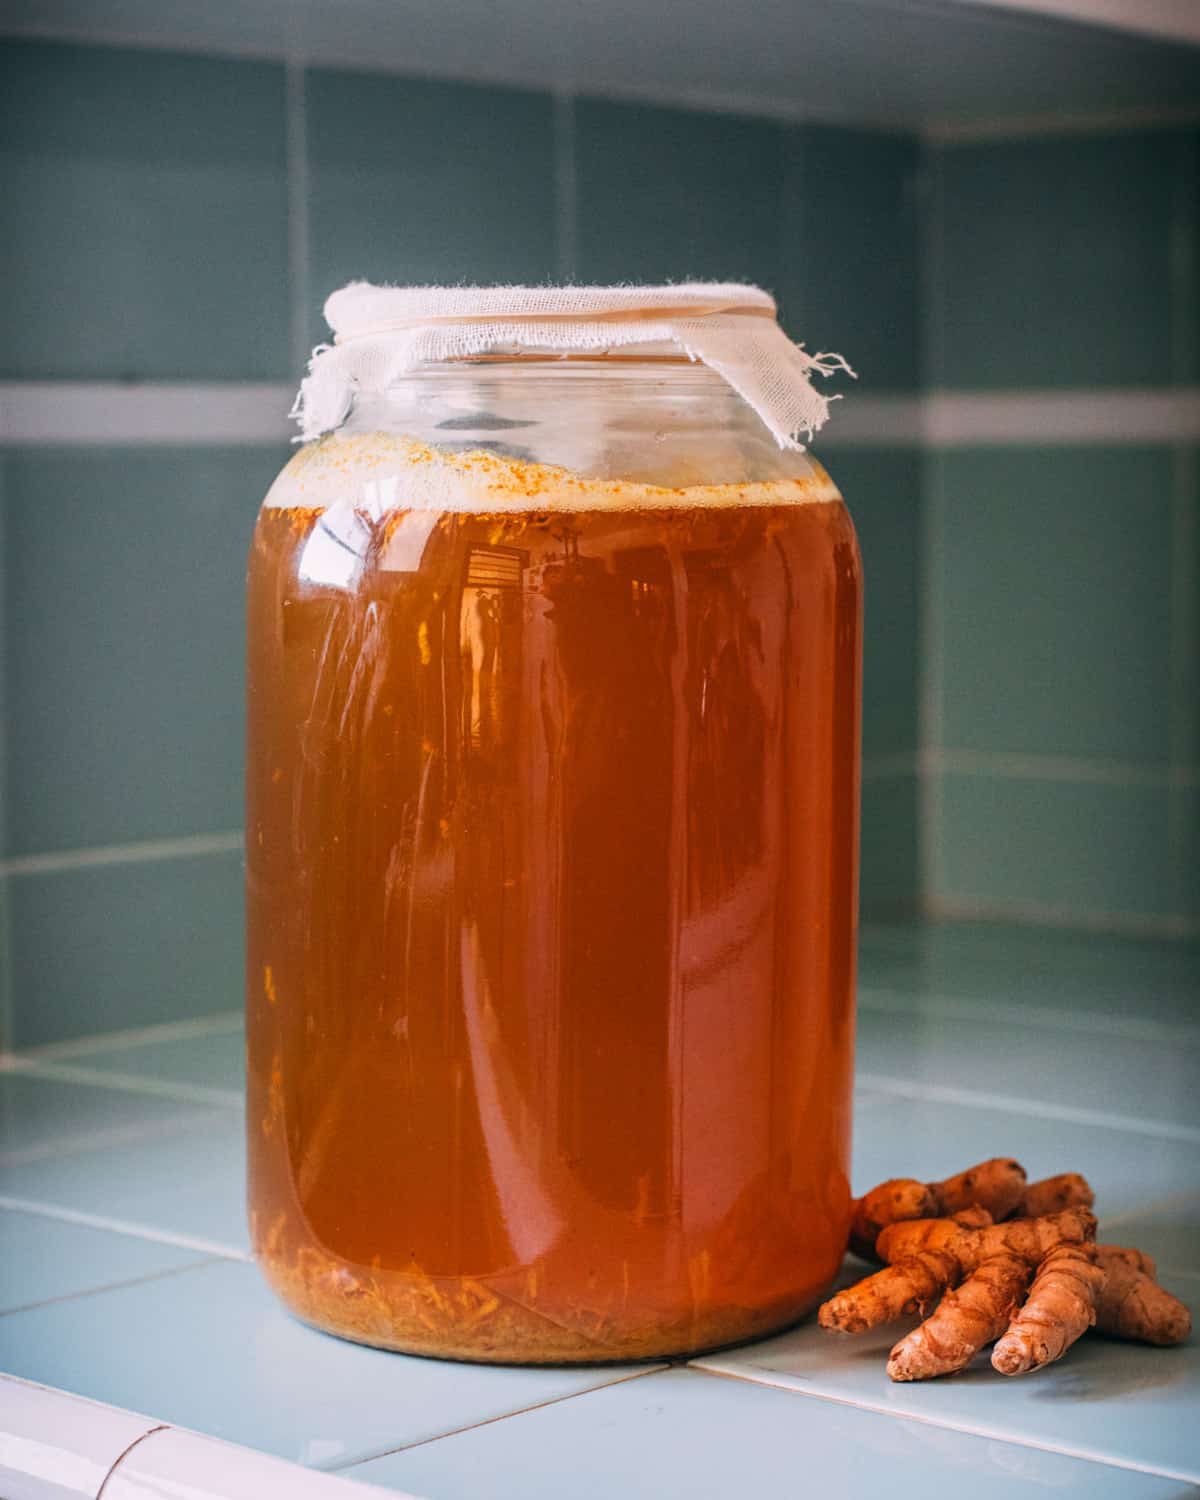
(380, 471)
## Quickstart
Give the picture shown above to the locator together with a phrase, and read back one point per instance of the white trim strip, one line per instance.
(129, 1227)
(109, 413)
(936, 1093)
(189, 847)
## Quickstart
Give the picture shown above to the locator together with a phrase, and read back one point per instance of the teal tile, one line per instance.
(1122, 1404)
(146, 236)
(1170, 1232)
(916, 1129)
(1069, 848)
(40, 1118)
(113, 946)
(212, 1057)
(1054, 567)
(43, 1259)
(125, 641)
(889, 880)
(676, 195)
(282, 1387)
(849, 273)
(1154, 1082)
(1046, 977)
(415, 181)
(1056, 261)
(183, 1177)
(882, 487)
(1185, 852)
(684, 1432)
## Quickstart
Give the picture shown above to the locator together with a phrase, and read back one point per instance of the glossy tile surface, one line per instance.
(685, 1432)
(1054, 567)
(1117, 1403)
(284, 1388)
(134, 557)
(145, 942)
(888, 847)
(146, 236)
(186, 1178)
(1070, 236)
(40, 1118)
(42, 1259)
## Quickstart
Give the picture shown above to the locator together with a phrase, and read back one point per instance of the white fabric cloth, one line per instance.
(383, 333)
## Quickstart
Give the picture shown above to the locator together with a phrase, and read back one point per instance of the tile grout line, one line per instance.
(1038, 1108)
(566, 186)
(502, 1417)
(299, 264)
(101, 1140)
(214, 1023)
(1065, 918)
(883, 1000)
(127, 1227)
(131, 1083)
(188, 846)
(994, 1434)
(113, 1286)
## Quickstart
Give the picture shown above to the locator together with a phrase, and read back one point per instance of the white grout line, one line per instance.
(973, 1098)
(160, 1088)
(188, 847)
(566, 188)
(100, 1140)
(940, 907)
(137, 1036)
(1058, 768)
(1014, 1437)
(116, 414)
(120, 1285)
(1040, 1017)
(127, 1227)
(1086, 122)
(299, 265)
(591, 1390)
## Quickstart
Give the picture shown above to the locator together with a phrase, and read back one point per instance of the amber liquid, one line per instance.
(551, 840)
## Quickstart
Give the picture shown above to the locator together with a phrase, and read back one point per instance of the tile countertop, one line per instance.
(125, 1274)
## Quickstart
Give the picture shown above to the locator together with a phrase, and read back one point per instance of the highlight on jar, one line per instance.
(554, 658)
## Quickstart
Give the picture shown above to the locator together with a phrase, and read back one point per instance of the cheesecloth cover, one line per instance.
(383, 333)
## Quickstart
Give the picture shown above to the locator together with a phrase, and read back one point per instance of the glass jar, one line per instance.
(552, 809)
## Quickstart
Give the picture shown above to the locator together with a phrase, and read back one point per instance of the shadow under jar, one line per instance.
(552, 811)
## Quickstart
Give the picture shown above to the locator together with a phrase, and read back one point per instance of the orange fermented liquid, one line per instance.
(551, 843)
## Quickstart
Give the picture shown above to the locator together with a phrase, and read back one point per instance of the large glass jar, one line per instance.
(551, 841)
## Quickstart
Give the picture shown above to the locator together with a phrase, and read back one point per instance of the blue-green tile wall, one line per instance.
(1061, 654)
(145, 227)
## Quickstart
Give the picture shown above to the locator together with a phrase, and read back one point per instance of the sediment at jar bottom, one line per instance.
(466, 1320)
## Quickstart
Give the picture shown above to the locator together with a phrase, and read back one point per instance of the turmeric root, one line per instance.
(1060, 1308)
(1132, 1305)
(966, 1319)
(996, 1185)
(981, 1270)
(1052, 1194)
